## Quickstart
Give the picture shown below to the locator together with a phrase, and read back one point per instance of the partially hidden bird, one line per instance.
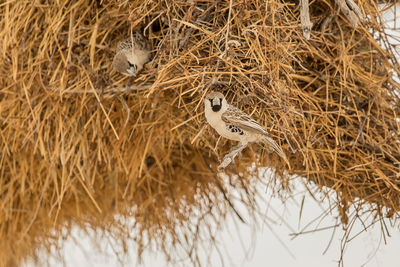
(132, 53)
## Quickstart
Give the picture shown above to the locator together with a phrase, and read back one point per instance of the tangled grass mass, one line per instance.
(81, 144)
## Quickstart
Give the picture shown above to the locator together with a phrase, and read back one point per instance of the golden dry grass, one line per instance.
(79, 143)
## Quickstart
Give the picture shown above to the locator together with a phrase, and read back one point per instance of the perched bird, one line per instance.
(132, 53)
(232, 123)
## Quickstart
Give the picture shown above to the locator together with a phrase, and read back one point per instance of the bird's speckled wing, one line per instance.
(140, 42)
(240, 119)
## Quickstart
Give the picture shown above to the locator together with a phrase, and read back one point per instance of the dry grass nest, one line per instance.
(80, 143)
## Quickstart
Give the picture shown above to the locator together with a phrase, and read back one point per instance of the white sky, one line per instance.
(237, 239)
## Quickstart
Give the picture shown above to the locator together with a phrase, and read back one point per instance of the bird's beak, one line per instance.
(215, 102)
(131, 71)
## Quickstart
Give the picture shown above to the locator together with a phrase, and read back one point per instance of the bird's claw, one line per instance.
(228, 159)
(225, 162)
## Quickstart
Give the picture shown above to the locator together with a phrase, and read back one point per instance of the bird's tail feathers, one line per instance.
(271, 143)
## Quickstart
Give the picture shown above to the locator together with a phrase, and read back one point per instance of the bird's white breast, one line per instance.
(214, 119)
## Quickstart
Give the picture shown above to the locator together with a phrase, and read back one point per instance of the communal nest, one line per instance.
(80, 144)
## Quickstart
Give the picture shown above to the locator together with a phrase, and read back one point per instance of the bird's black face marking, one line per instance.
(216, 108)
(134, 66)
(216, 104)
(235, 129)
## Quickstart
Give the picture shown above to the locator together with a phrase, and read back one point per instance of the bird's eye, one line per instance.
(211, 101)
(220, 101)
(132, 66)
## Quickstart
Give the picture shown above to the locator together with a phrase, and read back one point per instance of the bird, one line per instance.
(131, 54)
(234, 124)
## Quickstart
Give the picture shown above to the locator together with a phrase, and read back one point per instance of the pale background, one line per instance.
(271, 243)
